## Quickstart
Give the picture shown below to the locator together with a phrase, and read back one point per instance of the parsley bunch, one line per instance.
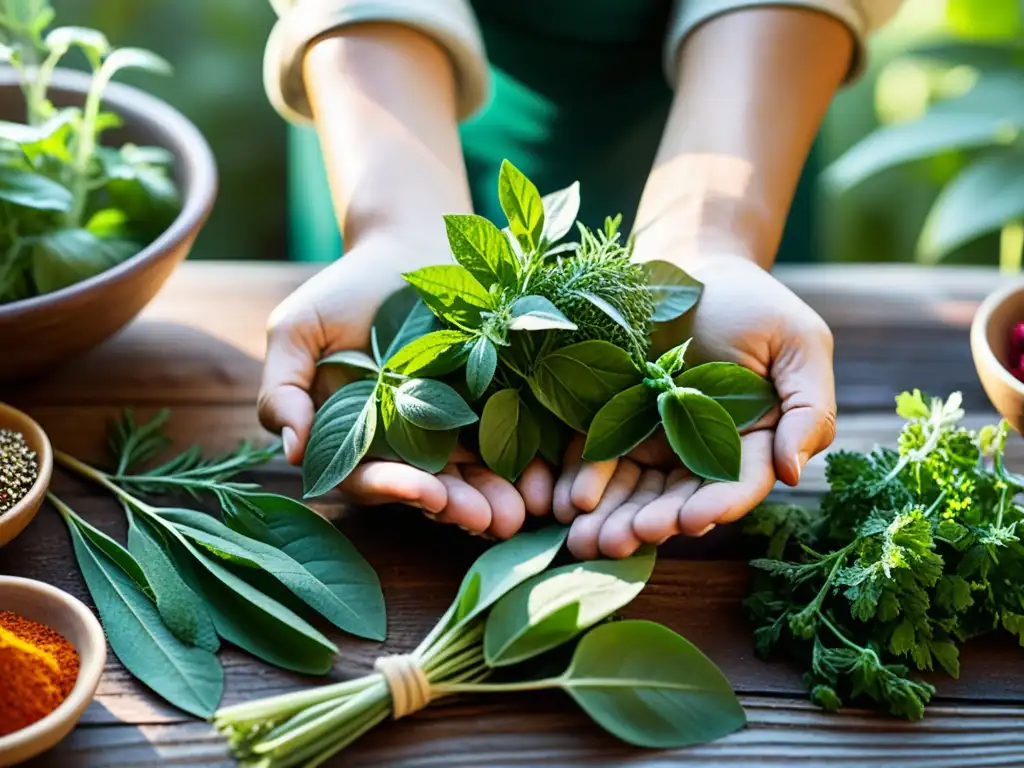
(913, 552)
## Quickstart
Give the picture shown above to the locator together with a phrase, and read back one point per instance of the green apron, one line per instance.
(578, 93)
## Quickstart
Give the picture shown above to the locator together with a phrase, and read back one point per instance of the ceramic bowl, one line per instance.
(48, 605)
(14, 520)
(990, 340)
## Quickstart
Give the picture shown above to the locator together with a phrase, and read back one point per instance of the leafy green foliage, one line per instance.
(509, 434)
(71, 209)
(702, 433)
(622, 424)
(912, 553)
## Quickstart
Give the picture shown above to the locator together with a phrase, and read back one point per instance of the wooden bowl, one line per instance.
(41, 332)
(14, 520)
(57, 609)
(990, 346)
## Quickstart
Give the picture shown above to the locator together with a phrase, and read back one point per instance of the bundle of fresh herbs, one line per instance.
(69, 207)
(255, 578)
(525, 340)
(913, 552)
(638, 680)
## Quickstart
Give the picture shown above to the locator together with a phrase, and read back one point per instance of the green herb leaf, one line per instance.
(744, 395)
(607, 308)
(402, 318)
(434, 354)
(426, 449)
(522, 205)
(122, 557)
(68, 256)
(483, 249)
(433, 405)
(650, 687)
(535, 313)
(93, 42)
(452, 294)
(509, 434)
(554, 433)
(702, 434)
(912, 405)
(133, 58)
(673, 361)
(555, 606)
(674, 292)
(480, 368)
(560, 210)
(576, 381)
(32, 190)
(622, 424)
(351, 358)
(342, 433)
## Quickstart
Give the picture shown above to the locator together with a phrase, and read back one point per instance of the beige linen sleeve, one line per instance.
(449, 23)
(862, 18)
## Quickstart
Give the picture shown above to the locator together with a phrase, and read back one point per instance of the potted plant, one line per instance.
(103, 188)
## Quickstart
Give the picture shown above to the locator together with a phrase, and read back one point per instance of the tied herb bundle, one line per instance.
(257, 578)
(913, 552)
(638, 680)
(525, 340)
(71, 208)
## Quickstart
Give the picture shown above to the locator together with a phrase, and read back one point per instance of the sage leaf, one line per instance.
(401, 318)
(320, 548)
(535, 313)
(433, 354)
(702, 434)
(432, 405)
(32, 190)
(337, 606)
(352, 358)
(452, 293)
(576, 381)
(745, 396)
(113, 549)
(622, 424)
(342, 433)
(68, 256)
(480, 368)
(522, 205)
(509, 435)
(560, 210)
(189, 678)
(555, 606)
(674, 292)
(426, 449)
(607, 308)
(673, 361)
(483, 249)
(650, 687)
(181, 609)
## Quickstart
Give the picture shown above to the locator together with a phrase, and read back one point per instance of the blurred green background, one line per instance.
(217, 46)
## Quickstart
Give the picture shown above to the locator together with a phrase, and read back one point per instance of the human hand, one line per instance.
(748, 317)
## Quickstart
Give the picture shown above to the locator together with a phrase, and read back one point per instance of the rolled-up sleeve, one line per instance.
(861, 17)
(449, 23)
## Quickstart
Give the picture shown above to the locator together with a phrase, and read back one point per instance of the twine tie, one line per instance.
(407, 682)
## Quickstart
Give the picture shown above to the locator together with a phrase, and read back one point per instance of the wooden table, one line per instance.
(198, 349)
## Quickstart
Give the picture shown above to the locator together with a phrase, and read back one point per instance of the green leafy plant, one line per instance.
(522, 341)
(71, 207)
(913, 552)
(638, 680)
(257, 578)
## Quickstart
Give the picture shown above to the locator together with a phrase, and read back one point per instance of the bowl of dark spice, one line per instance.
(26, 464)
(52, 653)
(997, 344)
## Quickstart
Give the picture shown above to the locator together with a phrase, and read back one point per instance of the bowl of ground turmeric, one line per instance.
(26, 464)
(52, 652)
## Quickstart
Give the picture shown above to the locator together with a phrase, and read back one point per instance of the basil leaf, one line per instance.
(554, 433)
(673, 361)
(342, 433)
(352, 358)
(189, 678)
(68, 256)
(33, 190)
(434, 354)
(480, 368)
(673, 290)
(483, 249)
(607, 308)
(555, 606)
(452, 294)
(576, 381)
(358, 611)
(181, 609)
(560, 210)
(509, 435)
(401, 318)
(426, 449)
(535, 313)
(622, 424)
(522, 205)
(702, 434)
(432, 405)
(648, 686)
(744, 395)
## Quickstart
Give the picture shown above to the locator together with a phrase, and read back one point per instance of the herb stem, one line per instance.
(841, 637)
(444, 689)
(100, 478)
(288, 703)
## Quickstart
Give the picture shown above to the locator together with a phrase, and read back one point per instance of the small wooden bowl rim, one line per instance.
(19, 421)
(979, 334)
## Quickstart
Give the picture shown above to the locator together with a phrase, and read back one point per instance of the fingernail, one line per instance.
(706, 530)
(289, 440)
(417, 505)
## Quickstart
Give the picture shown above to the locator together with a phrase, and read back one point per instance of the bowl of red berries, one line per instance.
(997, 344)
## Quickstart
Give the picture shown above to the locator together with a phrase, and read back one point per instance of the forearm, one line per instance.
(753, 88)
(384, 104)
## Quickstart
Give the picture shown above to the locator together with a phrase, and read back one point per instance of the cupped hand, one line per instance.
(333, 311)
(748, 317)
